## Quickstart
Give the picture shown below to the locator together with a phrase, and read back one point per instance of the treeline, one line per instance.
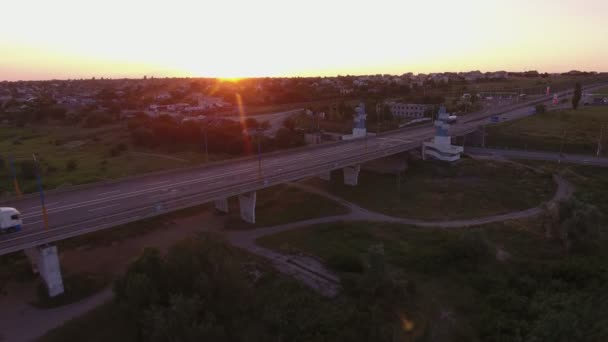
(222, 135)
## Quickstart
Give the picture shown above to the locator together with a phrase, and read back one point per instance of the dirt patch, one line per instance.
(113, 259)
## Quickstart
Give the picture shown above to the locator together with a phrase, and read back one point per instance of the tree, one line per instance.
(576, 98)
(579, 223)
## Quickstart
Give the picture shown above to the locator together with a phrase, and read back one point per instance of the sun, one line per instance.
(230, 79)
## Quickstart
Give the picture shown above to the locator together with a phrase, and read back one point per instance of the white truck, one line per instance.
(10, 220)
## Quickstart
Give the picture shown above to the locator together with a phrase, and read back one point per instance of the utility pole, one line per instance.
(259, 136)
(561, 146)
(599, 141)
(43, 205)
(15, 181)
(205, 141)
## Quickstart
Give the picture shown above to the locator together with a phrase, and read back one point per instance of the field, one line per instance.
(97, 154)
(430, 190)
(578, 130)
(501, 282)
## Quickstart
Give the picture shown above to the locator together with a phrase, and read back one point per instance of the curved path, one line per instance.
(314, 274)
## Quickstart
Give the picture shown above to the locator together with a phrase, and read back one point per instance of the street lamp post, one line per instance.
(206, 143)
(259, 134)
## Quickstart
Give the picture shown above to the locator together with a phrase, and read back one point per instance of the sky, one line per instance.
(61, 39)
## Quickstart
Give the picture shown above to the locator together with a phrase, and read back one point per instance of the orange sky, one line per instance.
(238, 38)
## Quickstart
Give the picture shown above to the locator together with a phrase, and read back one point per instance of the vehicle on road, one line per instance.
(10, 220)
(452, 119)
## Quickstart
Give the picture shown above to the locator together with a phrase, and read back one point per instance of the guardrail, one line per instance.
(69, 230)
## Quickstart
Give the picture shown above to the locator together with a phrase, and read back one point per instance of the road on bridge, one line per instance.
(98, 206)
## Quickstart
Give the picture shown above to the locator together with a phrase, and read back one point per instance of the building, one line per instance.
(406, 110)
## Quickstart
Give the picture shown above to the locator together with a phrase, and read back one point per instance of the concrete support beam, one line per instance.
(325, 176)
(45, 261)
(351, 175)
(221, 205)
(247, 206)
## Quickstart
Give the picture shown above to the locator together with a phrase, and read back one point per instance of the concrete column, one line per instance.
(221, 205)
(351, 175)
(247, 206)
(325, 176)
(46, 261)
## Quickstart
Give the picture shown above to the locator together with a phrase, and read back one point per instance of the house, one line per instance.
(406, 110)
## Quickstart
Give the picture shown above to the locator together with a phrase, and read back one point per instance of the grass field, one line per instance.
(90, 149)
(579, 130)
(495, 281)
(430, 190)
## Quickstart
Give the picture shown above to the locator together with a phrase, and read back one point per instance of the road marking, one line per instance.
(35, 222)
(39, 206)
(102, 208)
(109, 192)
(157, 183)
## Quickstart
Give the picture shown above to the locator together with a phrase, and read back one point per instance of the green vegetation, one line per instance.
(502, 282)
(283, 204)
(429, 190)
(70, 156)
(578, 130)
(77, 287)
(204, 290)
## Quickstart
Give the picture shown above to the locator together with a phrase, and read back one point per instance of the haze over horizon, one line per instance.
(70, 39)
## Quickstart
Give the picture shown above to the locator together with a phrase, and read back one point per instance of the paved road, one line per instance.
(538, 155)
(99, 206)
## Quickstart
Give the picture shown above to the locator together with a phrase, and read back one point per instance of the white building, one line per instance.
(407, 110)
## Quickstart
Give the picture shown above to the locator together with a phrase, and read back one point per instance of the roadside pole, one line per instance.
(14, 176)
(39, 180)
(599, 142)
(561, 147)
(206, 144)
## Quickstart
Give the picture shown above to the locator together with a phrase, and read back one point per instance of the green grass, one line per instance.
(283, 204)
(457, 271)
(104, 323)
(546, 131)
(432, 190)
(89, 148)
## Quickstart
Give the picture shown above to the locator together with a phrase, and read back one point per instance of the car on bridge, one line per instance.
(10, 220)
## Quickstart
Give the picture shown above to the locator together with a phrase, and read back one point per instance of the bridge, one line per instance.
(83, 209)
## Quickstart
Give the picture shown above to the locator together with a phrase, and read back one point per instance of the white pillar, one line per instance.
(351, 175)
(221, 205)
(46, 261)
(247, 206)
(325, 176)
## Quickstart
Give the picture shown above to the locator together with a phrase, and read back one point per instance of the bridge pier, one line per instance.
(45, 261)
(221, 205)
(247, 206)
(325, 176)
(351, 175)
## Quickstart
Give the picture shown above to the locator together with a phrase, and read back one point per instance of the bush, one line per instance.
(71, 165)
